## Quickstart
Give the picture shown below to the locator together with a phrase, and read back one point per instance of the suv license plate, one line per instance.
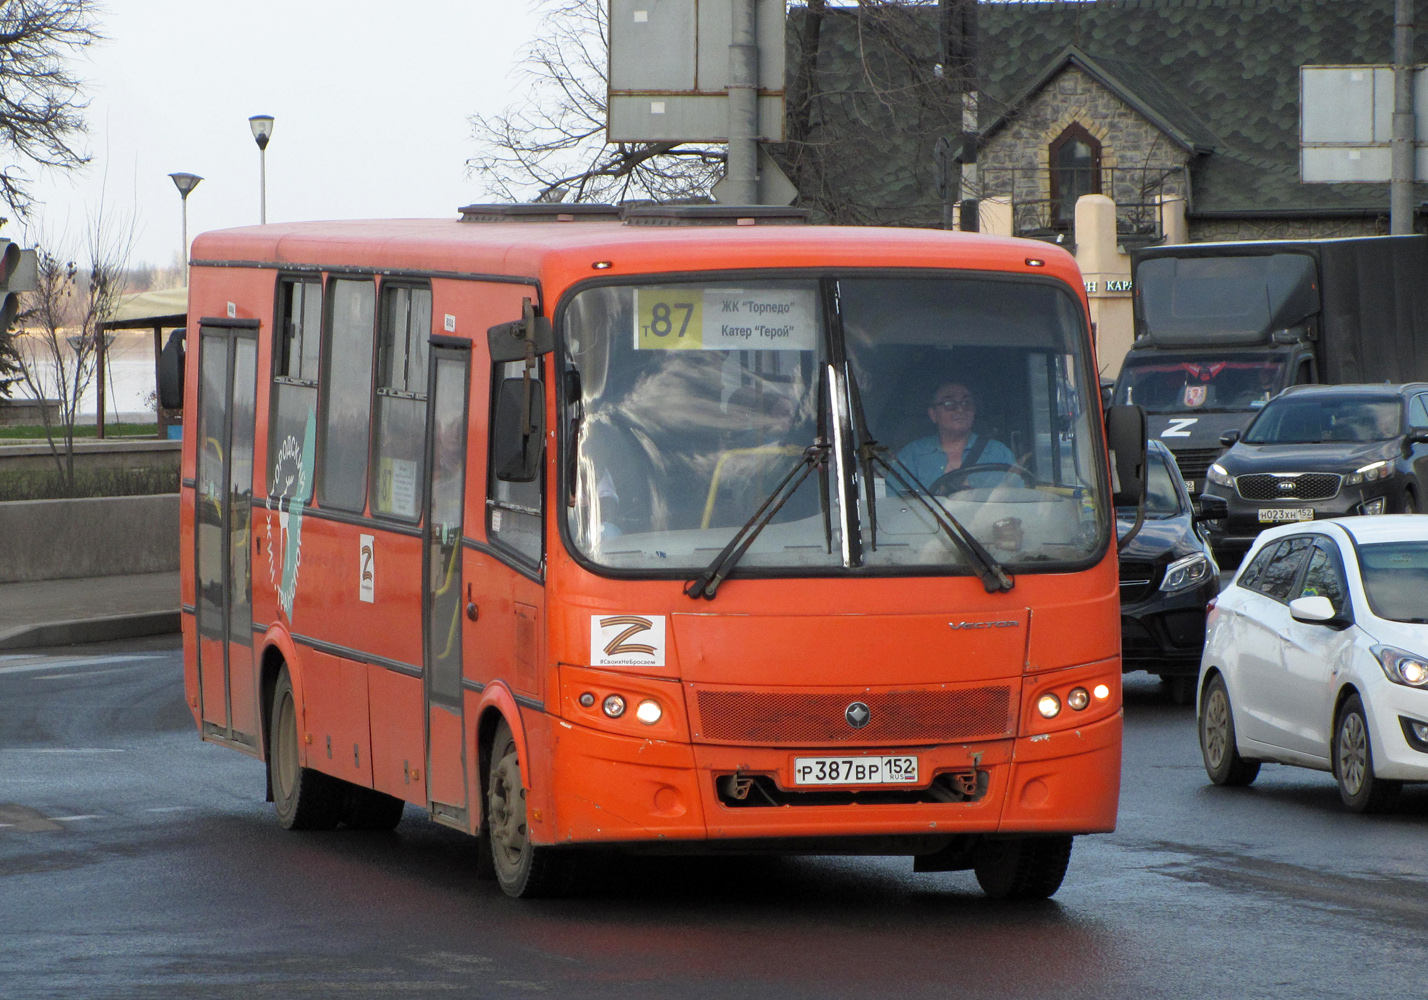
(1269, 515)
(900, 770)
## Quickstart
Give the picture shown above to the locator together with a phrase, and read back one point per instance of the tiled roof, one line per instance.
(1222, 73)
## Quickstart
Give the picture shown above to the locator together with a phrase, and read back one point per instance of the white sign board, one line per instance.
(691, 318)
(669, 69)
(1346, 124)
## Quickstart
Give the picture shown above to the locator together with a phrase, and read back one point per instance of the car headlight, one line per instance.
(1185, 573)
(1369, 473)
(1219, 476)
(1401, 666)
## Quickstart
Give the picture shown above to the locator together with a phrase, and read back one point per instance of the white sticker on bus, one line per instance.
(627, 640)
(367, 568)
(690, 318)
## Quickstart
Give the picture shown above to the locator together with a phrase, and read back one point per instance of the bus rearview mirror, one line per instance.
(507, 341)
(517, 456)
(1126, 438)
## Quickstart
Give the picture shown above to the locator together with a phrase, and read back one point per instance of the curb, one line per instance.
(131, 626)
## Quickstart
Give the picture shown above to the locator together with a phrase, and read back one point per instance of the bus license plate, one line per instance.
(1269, 515)
(854, 770)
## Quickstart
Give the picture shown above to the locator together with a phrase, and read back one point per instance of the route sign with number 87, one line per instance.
(669, 319)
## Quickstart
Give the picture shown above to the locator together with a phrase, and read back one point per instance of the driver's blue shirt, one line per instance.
(926, 459)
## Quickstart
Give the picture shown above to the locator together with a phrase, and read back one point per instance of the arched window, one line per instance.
(1075, 170)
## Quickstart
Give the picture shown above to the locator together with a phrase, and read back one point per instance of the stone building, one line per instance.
(1182, 114)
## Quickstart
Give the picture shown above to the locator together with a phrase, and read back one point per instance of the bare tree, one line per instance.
(59, 341)
(552, 146)
(41, 102)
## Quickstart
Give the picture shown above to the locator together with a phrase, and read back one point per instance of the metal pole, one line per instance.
(1404, 125)
(263, 184)
(741, 169)
(185, 240)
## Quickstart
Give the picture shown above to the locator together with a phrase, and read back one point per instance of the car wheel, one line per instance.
(523, 869)
(1353, 763)
(1223, 762)
(1023, 868)
(1410, 503)
(303, 798)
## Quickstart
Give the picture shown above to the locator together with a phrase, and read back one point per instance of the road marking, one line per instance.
(62, 750)
(71, 819)
(82, 673)
(169, 809)
(132, 659)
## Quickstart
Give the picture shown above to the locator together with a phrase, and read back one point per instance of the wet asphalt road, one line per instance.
(139, 862)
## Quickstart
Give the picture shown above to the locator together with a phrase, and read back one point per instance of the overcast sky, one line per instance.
(371, 100)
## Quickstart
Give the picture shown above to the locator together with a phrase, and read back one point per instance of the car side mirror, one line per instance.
(1418, 435)
(1313, 611)
(1228, 438)
(1212, 508)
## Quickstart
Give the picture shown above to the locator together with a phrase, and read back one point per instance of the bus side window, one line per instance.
(514, 511)
(347, 393)
(294, 397)
(403, 338)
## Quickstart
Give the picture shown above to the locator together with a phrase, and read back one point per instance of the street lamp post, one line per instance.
(185, 184)
(262, 126)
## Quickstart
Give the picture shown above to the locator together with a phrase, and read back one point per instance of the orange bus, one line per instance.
(677, 529)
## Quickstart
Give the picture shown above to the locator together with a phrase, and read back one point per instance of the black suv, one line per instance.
(1319, 451)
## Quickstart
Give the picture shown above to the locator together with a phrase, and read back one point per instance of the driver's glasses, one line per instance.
(964, 405)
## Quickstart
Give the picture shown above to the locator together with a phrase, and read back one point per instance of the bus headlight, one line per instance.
(1049, 706)
(1078, 699)
(614, 706)
(649, 712)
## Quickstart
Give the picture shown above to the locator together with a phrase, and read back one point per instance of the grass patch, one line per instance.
(26, 433)
(48, 484)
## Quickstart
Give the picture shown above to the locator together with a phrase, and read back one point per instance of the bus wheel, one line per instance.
(523, 869)
(369, 809)
(304, 799)
(1024, 868)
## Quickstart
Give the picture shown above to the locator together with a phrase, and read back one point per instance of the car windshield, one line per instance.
(1321, 419)
(1161, 497)
(1189, 384)
(689, 403)
(1395, 578)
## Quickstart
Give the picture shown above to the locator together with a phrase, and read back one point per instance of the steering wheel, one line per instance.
(956, 480)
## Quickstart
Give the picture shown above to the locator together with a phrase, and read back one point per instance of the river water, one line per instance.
(129, 384)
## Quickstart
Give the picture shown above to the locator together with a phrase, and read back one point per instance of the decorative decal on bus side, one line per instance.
(367, 568)
(627, 640)
(291, 474)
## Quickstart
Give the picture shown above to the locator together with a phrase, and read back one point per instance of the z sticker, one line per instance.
(627, 640)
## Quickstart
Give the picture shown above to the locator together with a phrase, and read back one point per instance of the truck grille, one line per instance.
(1138, 581)
(1194, 461)
(810, 718)
(1304, 486)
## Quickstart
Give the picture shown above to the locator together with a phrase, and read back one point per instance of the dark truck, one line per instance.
(1222, 327)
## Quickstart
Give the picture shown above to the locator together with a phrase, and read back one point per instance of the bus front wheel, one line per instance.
(1024, 868)
(304, 799)
(522, 868)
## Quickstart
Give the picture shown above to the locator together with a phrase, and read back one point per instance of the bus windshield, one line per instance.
(689, 403)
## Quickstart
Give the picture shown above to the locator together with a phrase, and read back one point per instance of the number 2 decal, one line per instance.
(1177, 427)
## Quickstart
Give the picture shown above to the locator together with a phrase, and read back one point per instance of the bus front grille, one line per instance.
(810, 718)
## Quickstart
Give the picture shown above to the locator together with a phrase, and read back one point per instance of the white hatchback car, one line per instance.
(1317, 655)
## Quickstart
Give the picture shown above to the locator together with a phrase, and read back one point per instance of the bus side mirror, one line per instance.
(1126, 438)
(171, 372)
(508, 341)
(515, 454)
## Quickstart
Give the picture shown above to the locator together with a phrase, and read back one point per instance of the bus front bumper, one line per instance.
(611, 788)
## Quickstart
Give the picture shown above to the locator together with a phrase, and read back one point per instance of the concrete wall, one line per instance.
(62, 539)
(20, 412)
(94, 454)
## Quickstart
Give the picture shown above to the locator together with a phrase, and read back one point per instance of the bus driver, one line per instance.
(955, 445)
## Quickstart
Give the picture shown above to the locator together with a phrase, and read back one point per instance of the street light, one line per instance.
(262, 126)
(185, 184)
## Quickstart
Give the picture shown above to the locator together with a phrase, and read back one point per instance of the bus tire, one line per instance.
(304, 799)
(523, 869)
(369, 809)
(1023, 868)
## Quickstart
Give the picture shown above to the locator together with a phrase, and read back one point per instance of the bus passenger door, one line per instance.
(442, 590)
(228, 372)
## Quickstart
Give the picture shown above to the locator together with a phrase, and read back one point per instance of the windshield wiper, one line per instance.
(870, 453)
(706, 584)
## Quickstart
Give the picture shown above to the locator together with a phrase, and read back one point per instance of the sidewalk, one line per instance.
(93, 609)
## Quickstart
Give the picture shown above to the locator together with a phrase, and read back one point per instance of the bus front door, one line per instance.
(227, 391)
(442, 594)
